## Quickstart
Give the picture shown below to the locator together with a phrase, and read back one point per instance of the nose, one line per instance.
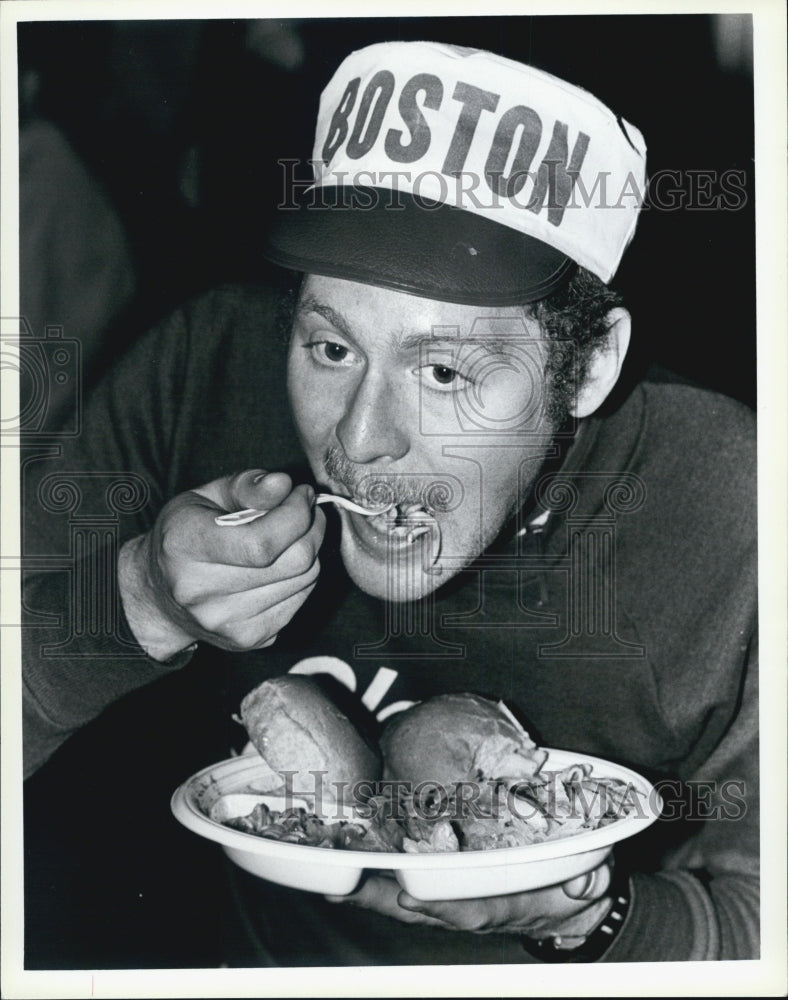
(372, 427)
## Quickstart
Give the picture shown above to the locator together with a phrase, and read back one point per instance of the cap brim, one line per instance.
(381, 237)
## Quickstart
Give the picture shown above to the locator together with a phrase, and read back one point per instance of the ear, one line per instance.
(605, 365)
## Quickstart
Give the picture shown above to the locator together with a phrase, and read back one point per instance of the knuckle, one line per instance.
(183, 593)
(248, 636)
(222, 634)
(232, 638)
(258, 549)
(169, 541)
(302, 555)
(263, 552)
(213, 623)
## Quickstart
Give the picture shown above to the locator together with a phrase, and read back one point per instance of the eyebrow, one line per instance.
(412, 341)
(494, 345)
(336, 319)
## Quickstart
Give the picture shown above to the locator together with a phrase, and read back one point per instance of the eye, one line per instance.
(443, 375)
(330, 354)
(442, 378)
(334, 352)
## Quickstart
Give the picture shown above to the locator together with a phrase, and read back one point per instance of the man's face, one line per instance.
(435, 406)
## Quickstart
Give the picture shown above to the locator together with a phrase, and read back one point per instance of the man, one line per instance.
(581, 548)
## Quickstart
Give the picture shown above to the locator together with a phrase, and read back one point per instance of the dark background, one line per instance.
(182, 124)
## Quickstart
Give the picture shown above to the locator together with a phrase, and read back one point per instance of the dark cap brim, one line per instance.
(392, 239)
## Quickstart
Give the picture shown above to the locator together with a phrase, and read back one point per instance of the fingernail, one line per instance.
(259, 478)
(588, 881)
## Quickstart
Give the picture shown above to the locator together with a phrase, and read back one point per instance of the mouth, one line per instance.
(402, 527)
(405, 532)
(403, 523)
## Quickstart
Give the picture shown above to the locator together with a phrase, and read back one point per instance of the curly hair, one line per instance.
(574, 319)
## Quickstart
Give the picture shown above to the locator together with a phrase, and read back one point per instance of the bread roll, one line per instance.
(457, 737)
(295, 727)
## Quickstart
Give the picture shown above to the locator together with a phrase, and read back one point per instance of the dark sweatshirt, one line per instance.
(650, 660)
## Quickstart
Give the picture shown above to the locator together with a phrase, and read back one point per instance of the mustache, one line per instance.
(436, 494)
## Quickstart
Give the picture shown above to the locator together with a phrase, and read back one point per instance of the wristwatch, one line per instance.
(594, 945)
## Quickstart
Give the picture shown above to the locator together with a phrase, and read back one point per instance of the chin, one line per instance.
(399, 559)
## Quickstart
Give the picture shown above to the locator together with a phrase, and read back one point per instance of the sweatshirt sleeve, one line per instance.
(166, 418)
(704, 901)
(83, 498)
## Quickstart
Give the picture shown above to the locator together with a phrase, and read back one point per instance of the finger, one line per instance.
(251, 591)
(258, 631)
(233, 608)
(589, 886)
(207, 580)
(251, 488)
(580, 887)
(300, 556)
(192, 533)
(477, 915)
(384, 875)
(380, 895)
(263, 541)
(287, 545)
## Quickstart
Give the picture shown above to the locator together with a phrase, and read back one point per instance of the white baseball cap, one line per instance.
(459, 175)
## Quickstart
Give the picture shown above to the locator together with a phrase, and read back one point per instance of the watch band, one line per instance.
(594, 946)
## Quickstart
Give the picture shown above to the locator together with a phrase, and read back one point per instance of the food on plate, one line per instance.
(297, 825)
(299, 731)
(460, 773)
(458, 737)
(498, 790)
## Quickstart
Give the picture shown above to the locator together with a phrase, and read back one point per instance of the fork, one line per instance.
(251, 513)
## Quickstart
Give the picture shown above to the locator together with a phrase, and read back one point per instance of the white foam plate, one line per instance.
(449, 875)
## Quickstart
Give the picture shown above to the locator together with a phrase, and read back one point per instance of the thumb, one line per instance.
(592, 885)
(251, 488)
